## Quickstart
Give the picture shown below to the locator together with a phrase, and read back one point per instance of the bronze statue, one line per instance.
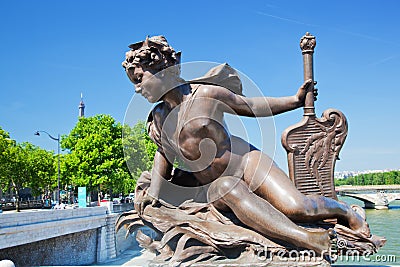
(234, 177)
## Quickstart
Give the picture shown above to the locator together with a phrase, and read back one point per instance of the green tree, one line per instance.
(340, 182)
(95, 157)
(397, 177)
(139, 149)
(16, 171)
(389, 177)
(43, 166)
(351, 181)
(24, 165)
(368, 179)
(385, 178)
(5, 143)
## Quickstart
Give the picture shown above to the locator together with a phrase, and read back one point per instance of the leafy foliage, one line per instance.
(382, 178)
(5, 142)
(24, 165)
(139, 149)
(96, 157)
(43, 167)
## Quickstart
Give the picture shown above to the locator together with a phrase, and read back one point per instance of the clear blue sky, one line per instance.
(51, 51)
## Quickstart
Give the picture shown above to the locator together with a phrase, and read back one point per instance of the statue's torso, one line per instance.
(196, 135)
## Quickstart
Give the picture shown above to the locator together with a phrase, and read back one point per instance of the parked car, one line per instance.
(130, 197)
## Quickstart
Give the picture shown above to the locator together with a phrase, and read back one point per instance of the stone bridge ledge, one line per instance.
(26, 228)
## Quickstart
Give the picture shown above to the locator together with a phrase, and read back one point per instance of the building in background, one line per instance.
(81, 107)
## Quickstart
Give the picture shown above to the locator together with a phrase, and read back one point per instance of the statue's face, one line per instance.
(148, 83)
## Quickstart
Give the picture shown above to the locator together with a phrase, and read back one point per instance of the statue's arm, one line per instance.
(161, 170)
(259, 106)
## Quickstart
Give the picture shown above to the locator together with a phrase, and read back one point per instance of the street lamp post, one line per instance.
(58, 159)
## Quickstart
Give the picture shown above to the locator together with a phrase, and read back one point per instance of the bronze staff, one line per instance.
(307, 45)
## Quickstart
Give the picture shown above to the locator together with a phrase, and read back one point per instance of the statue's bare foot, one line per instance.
(324, 242)
(358, 222)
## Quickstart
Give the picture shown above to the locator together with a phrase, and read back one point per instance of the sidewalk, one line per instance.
(24, 210)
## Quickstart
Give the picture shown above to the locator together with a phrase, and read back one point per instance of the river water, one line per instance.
(382, 223)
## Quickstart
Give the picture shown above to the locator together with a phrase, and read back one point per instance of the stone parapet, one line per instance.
(23, 228)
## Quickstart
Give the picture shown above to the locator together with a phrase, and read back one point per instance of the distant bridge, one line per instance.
(373, 196)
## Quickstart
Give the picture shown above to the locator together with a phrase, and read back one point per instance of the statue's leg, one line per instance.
(272, 184)
(231, 193)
